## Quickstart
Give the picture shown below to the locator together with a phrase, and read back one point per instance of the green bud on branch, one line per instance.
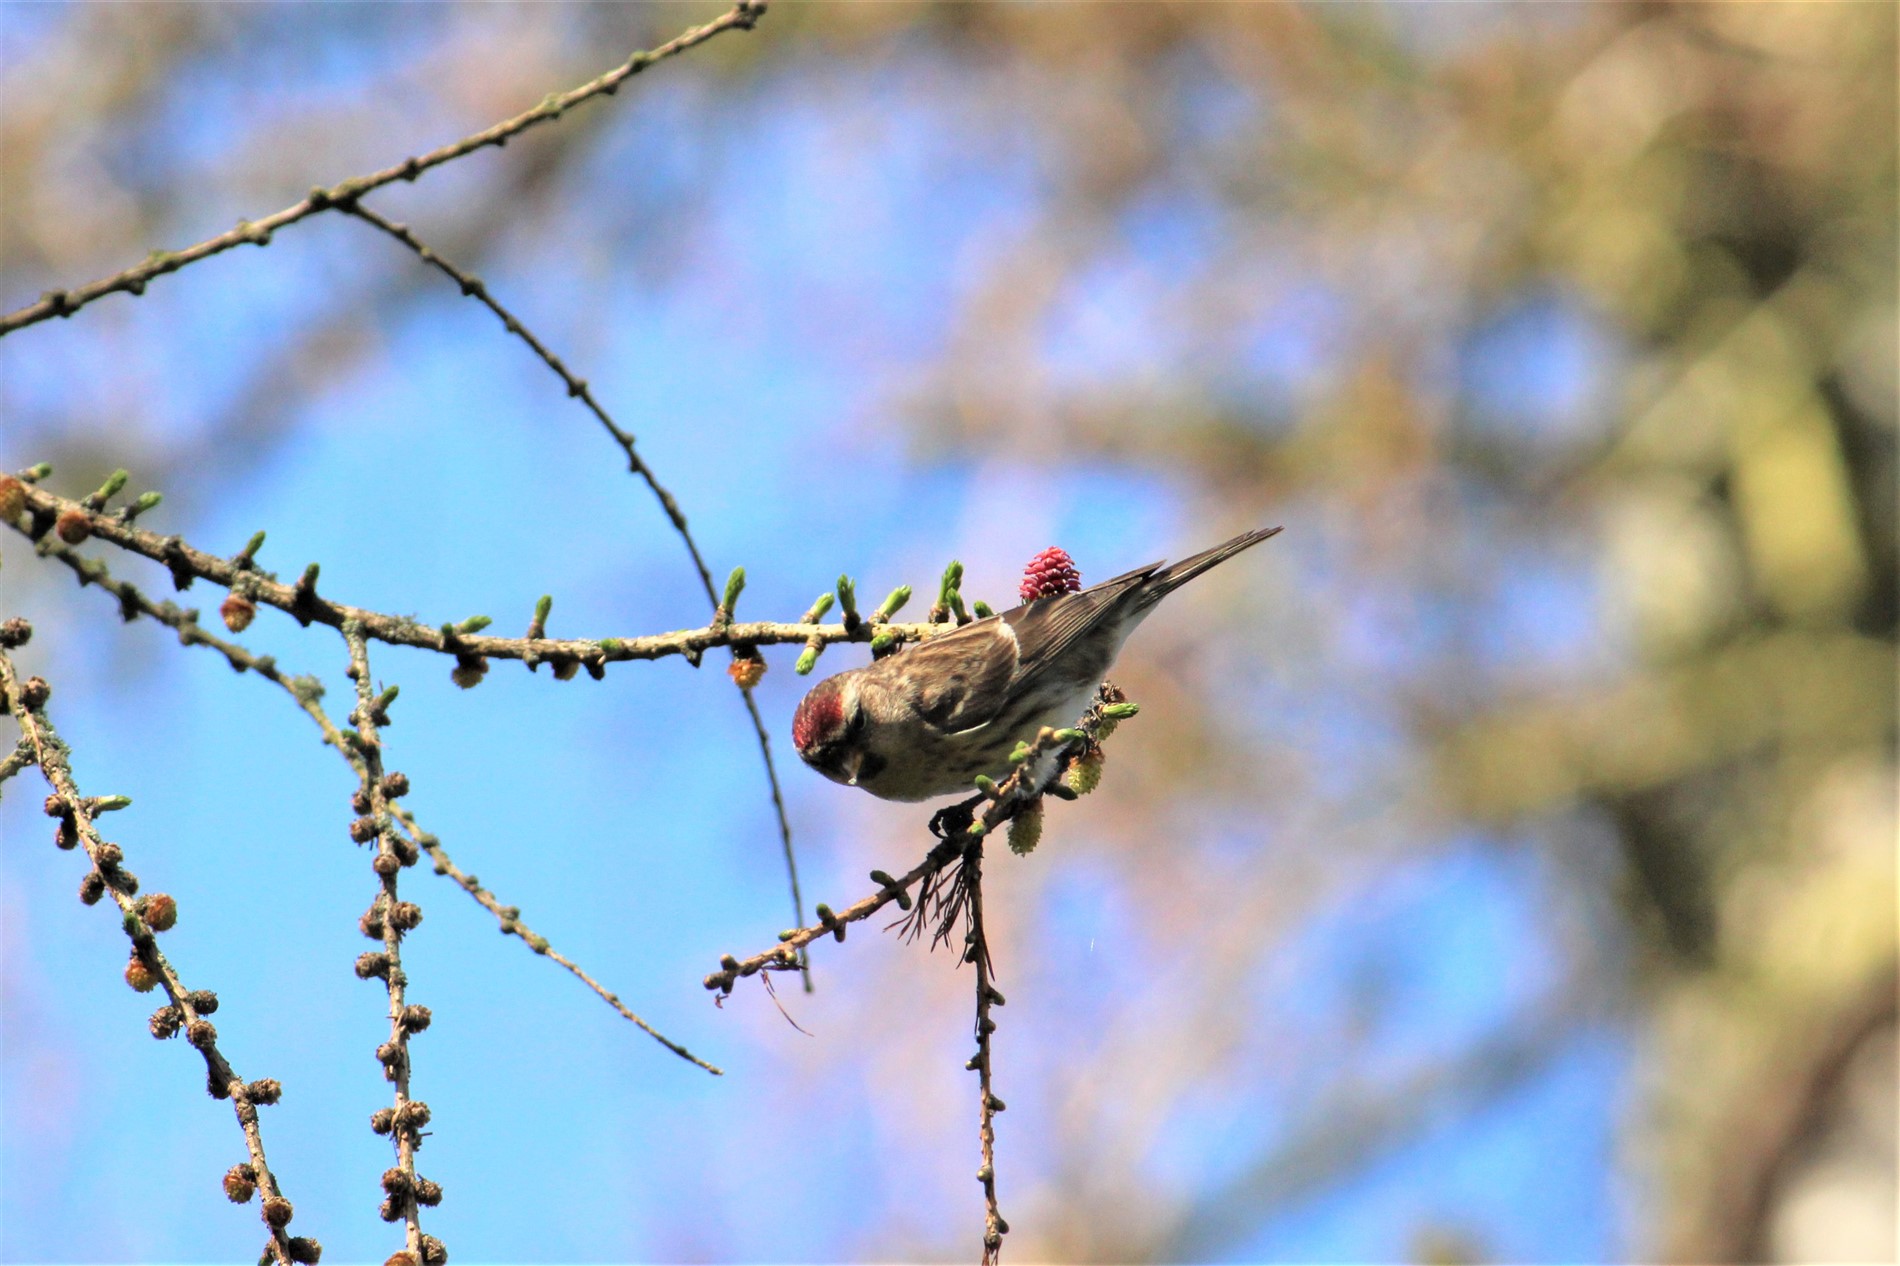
(893, 604)
(952, 580)
(807, 660)
(982, 609)
(735, 585)
(114, 484)
(818, 609)
(474, 624)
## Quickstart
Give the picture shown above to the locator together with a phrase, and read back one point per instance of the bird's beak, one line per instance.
(853, 764)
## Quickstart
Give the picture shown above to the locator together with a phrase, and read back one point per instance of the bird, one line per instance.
(927, 720)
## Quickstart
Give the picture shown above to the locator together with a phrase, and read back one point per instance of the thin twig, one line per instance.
(62, 303)
(477, 289)
(301, 600)
(994, 1228)
(389, 917)
(785, 956)
(307, 693)
(784, 820)
(510, 919)
(187, 1009)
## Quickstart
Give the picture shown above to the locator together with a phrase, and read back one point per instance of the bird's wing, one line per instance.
(1047, 629)
(961, 677)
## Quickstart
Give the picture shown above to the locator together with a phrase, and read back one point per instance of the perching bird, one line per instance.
(927, 720)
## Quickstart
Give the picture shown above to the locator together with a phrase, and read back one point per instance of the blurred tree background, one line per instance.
(1503, 864)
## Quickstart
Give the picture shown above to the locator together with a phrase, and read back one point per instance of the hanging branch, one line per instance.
(747, 669)
(63, 303)
(307, 692)
(144, 917)
(387, 920)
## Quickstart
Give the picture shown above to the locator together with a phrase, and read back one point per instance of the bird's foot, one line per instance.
(952, 821)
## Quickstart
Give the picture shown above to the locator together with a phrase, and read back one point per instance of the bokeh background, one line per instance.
(1501, 868)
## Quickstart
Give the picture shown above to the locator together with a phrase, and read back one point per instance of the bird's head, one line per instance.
(827, 727)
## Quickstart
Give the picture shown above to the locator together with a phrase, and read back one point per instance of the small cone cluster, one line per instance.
(1050, 573)
(1085, 771)
(1025, 829)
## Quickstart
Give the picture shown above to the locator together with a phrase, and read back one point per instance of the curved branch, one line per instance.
(476, 289)
(577, 388)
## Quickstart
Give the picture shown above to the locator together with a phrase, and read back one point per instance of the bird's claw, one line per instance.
(952, 821)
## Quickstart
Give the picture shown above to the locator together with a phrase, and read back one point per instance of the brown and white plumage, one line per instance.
(927, 720)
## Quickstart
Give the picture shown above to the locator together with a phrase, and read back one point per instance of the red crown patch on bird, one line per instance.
(1050, 573)
(820, 715)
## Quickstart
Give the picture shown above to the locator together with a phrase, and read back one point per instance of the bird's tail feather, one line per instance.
(1175, 575)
